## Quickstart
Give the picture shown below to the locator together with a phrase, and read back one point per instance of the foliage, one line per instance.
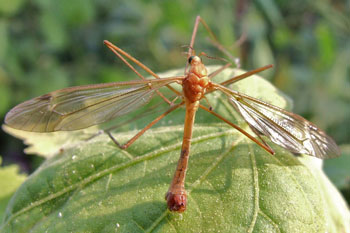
(10, 180)
(338, 169)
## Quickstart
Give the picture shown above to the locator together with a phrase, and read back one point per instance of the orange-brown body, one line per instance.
(194, 87)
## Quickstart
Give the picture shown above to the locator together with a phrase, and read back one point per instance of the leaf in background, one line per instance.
(338, 169)
(262, 54)
(10, 180)
(233, 185)
(77, 13)
(4, 37)
(10, 7)
(326, 44)
(4, 97)
(53, 29)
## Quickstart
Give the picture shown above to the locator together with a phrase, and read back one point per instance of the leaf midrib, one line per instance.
(200, 179)
(112, 169)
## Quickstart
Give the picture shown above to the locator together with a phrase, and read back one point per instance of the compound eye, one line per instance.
(190, 59)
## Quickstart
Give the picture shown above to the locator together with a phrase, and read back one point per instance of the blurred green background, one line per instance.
(47, 45)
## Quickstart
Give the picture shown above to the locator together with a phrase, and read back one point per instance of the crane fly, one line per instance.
(79, 107)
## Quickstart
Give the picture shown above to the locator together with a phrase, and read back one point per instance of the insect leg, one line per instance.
(218, 71)
(261, 139)
(245, 75)
(214, 40)
(141, 132)
(118, 51)
(262, 145)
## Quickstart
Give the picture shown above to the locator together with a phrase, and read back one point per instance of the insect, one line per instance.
(79, 107)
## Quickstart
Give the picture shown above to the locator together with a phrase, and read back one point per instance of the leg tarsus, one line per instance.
(218, 71)
(141, 132)
(214, 40)
(262, 140)
(123, 147)
(119, 52)
(262, 145)
(245, 75)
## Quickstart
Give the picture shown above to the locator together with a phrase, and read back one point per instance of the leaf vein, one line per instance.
(275, 225)
(256, 189)
(112, 169)
(296, 182)
(200, 179)
(137, 224)
(158, 220)
(214, 165)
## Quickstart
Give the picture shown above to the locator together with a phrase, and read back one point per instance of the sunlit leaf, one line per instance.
(49, 144)
(10, 180)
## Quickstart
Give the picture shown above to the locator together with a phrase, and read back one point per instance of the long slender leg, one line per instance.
(193, 37)
(194, 33)
(216, 72)
(117, 50)
(214, 39)
(220, 47)
(147, 112)
(259, 136)
(226, 52)
(134, 138)
(240, 77)
(138, 74)
(150, 110)
(262, 145)
(234, 79)
(245, 75)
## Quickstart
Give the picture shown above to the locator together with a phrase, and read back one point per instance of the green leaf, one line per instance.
(53, 29)
(10, 7)
(49, 144)
(5, 98)
(232, 184)
(10, 180)
(336, 208)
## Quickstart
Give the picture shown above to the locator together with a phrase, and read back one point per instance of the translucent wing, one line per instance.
(286, 129)
(80, 107)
